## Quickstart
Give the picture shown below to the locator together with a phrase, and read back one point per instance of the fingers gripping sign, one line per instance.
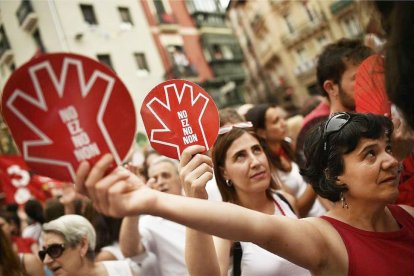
(178, 114)
(196, 169)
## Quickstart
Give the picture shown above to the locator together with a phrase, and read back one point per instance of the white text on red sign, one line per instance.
(189, 137)
(84, 149)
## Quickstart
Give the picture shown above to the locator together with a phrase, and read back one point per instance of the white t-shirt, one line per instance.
(297, 185)
(258, 261)
(166, 240)
(117, 268)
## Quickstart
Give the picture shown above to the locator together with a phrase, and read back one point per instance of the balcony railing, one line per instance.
(208, 19)
(227, 68)
(305, 30)
(26, 16)
(179, 72)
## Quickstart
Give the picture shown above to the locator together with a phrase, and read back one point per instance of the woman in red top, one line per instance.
(349, 162)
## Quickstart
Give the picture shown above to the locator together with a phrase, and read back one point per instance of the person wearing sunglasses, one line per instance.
(69, 244)
(269, 123)
(350, 163)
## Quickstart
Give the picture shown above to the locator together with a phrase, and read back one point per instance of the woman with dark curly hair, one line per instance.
(350, 161)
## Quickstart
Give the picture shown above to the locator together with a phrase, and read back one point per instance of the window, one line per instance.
(301, 55)
(142, 64)
(105, 59)
(221, 51)
(352, 27)
(89, 14)
(38, 40)
(125, 15)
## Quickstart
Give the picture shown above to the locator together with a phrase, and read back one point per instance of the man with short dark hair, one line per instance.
(335, 73)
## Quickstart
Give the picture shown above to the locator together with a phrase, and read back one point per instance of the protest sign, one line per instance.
(178, 114)
(65, 108)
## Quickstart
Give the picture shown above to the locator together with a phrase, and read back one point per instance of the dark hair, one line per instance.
(219, 153)
(257, 115)
(107, 230)
(53, 209)
(323, 167)
(398, 23)
(34, 210)
(334, 58)
(9, 260)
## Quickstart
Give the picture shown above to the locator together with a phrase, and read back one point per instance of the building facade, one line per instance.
(196, 44)
(281, 40)
(113, 32)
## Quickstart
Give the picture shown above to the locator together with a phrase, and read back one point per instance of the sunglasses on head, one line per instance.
(227, 128)
(54, 251)
(334, 124)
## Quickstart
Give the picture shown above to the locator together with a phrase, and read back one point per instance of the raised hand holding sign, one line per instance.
(177, 114)
(64, 108)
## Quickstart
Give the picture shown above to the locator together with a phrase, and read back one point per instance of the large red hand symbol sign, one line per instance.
(63, 109)
(177, 114)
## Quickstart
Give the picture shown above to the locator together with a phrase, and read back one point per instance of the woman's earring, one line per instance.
(229, 183)
(343, 201)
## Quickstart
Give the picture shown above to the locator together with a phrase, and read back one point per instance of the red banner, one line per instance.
(178, 114)
(18, 184)
(64, 108)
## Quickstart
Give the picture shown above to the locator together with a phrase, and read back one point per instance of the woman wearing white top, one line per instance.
(242, 173)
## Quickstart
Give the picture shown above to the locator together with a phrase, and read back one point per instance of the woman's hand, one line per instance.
(119, 193)
(196, 170)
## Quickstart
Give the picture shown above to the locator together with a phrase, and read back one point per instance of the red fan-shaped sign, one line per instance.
(64, 108)
(178, 114)
(370, 94)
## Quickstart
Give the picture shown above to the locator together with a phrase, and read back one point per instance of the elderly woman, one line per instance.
(350, 161)
(69, 244)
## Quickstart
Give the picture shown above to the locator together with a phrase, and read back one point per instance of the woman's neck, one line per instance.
(256, 201)
(365, 217)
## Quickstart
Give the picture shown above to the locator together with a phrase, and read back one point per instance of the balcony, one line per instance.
(225, 68)
(208, 19)
(167, 23)
(26, 16)
(340, 5)
(181, 72)
(304, 31)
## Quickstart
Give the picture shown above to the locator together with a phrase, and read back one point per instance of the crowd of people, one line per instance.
(334, 196)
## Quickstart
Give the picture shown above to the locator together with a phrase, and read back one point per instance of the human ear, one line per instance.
(224, 173)
(330, 87)
(84, 246)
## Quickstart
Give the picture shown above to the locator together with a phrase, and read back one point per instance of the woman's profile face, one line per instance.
(246, 165)
(67, 263)
(275, 124)
(371, 172)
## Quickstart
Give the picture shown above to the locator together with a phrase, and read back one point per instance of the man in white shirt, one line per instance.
(156, 236)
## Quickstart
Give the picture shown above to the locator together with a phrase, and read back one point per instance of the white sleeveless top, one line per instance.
(257, 261)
